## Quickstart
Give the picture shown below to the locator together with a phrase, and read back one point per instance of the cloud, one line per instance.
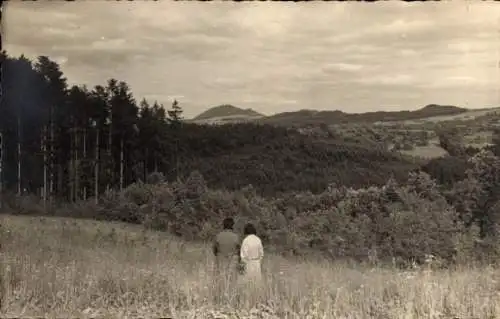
(390, 80)
(347, 67)
(459, 82)
(271, 56)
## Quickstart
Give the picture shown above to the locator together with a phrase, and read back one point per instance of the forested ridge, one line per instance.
(99, 138)
(311, 117)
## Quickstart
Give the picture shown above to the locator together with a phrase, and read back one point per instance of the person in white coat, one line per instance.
(251, 255)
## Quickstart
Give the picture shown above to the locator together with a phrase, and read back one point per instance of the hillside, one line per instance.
(312, 117)
(469, 115)
(226, 113)
(275, 159)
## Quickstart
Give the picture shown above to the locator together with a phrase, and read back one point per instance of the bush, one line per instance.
(403, 222)
(155, 178)
(446, 170)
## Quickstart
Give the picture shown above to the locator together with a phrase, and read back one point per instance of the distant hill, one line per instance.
(311, 117)
(226, 114)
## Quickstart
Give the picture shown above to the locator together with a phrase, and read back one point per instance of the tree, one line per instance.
(175, 120)
(146, 140)
(477, 197)
(175, 113)
(122, 133)
(451, 142)
(151, 138)
(79, 166)
(54, 104)
(446, 170)
(99, 112)
(495, 141)
(22, 121)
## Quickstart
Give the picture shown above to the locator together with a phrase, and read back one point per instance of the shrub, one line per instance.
(155, 178)
(446, 170)
(398, 221)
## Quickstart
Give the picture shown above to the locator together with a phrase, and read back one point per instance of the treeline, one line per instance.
(75, 142)
(72, 142)
(310, 117)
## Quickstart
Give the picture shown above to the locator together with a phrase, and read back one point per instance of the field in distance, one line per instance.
(426, 119)
(61, 267)
(468, 115)
(476, 128)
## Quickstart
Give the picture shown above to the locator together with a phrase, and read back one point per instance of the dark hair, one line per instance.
(250, 229)
(228, 223)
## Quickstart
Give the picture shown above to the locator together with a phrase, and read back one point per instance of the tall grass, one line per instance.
(57, 267)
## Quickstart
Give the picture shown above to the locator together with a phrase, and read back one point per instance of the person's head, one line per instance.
(249, 229)
(228, 223)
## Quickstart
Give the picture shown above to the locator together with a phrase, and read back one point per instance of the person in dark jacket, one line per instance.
(226, 249)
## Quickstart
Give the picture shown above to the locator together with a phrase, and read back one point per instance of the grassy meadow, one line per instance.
(430, 151)
(61, 267)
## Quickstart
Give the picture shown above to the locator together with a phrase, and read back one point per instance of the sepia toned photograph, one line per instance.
(223, 160)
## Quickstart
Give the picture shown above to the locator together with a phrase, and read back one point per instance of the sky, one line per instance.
(271, 56)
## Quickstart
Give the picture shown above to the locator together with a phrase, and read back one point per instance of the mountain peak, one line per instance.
(225, 111)
(435, 107)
